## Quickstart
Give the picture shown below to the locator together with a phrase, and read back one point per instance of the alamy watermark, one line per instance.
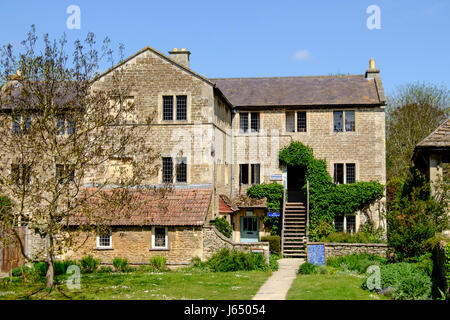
(74, 20)
(74, 280)
(374, 20)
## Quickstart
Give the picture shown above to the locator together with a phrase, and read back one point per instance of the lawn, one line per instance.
(172, 285)
(330, 287)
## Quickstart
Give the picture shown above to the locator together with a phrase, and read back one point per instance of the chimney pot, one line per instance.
(180, 56)
(372, 64)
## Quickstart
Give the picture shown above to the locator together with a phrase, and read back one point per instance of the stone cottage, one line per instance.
(217, 137)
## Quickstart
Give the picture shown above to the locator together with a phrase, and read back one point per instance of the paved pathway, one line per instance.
(277, 286)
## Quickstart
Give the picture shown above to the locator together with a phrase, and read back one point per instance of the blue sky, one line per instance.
(249, 38)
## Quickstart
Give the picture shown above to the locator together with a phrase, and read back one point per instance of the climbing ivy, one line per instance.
(326, 199)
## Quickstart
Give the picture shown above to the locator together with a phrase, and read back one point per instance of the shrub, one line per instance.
(120, 264)
(105, 269)
(307, 268)
(89, 264)
(22, 271)
(355, 262)
(224, 227)
(322, 270)
(60, 267)
(273, 262)
(406, 281)
(274, 243)
(41, 268)
(226, 260)
(198, 263)
(424, 263)
(413, 216)
(345, 237)
(158, 262)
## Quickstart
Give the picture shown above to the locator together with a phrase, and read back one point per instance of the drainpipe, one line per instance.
(233, 112)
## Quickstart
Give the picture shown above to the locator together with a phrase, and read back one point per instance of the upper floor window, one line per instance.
(255, 121)
(168, 170)
(167, 107)
(20, 174)
(290, 121)
(349, 176)
(243, 122)
(301, 121)
(338, 121)
(65, 125)
(181, 107)
(181, 170)
(21, 123)
(254, 173)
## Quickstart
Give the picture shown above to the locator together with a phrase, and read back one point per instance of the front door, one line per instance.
(295, 183)
(249, 229)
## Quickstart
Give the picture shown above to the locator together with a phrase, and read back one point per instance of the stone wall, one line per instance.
(214, 241)
(333, 249)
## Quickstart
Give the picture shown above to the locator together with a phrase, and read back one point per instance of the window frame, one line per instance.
(178, 106)
(299, 121)
(243, 125)
(164, 106)
(166, 238)
(254, 180)
(98, 240)
(290, 115)
(344, 123)
(181, 161)
(241, 171)
(255, 118)
(163, 170)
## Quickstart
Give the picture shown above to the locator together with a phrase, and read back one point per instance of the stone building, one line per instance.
(217, 137)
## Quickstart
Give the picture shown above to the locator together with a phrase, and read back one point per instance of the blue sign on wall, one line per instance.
(273, 214)
(315, 254)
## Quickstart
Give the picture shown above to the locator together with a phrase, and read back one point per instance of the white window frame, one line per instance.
(104, 247)
(166, 238)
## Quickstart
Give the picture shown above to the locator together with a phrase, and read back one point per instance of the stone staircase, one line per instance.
(294, 230)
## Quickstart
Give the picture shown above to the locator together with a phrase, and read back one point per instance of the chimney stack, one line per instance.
(180, 56)
(374, 74)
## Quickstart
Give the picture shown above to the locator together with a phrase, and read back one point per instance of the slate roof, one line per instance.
(178, 207)
(439, 138)
(300, 91)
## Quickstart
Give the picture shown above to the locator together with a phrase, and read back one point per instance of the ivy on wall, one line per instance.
(326, 199)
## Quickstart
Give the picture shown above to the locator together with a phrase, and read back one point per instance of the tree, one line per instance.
(60, 132)
(413, 112)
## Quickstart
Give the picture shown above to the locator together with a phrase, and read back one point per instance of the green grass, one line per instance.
(330, 287)
(174, 285)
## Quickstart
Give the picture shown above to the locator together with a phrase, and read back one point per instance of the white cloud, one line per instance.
(302, 55)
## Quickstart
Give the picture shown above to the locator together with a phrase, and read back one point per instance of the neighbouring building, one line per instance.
(217, 137)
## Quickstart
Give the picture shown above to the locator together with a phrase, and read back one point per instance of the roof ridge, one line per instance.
(291, 77)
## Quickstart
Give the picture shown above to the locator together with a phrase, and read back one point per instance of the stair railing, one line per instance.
(307, 210)
(282, 218)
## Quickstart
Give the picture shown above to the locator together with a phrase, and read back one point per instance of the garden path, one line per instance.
(277, 286)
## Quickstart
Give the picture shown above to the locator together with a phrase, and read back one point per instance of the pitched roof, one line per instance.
(226, 205)
(176, 207)
(300, 91)
(439, 138)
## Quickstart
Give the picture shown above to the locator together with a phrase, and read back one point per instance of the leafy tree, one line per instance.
(413, 216)
(57, 132)
(413, 112)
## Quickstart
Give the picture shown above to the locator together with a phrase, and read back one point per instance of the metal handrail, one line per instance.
(282, 218)
(307, 210)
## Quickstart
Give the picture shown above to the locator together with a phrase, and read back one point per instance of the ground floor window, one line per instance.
(345, 223)
(159, 238)
(104, 240)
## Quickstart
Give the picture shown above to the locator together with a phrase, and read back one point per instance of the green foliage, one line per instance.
(121, 264)
(307, 268)
(5, 205)
(355, 262)
(22, 271)
(327, 199)
(345, 237)
(406, 281)
(273, 262)
(447, 262)
(224, 227)
(413, 216)
(105, 269)
(273, 192)
(60, 267)
(41, 268)
(274, 243)
(424, 263)
(159, 263)
(413, 112)
(89, 264)
(231, 260)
